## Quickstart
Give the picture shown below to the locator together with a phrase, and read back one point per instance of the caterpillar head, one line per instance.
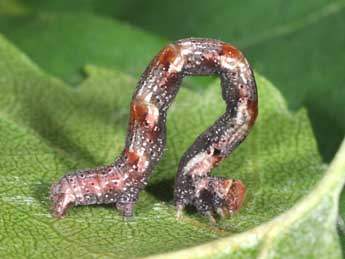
(229, 196)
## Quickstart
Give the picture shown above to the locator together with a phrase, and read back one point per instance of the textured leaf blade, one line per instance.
(305, 231)
(58, 128)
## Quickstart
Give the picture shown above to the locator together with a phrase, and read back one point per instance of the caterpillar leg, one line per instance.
(62, 198)
(126, 202)
(180, 207)
(212, 195)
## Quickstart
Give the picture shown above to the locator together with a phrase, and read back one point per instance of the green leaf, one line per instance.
(305, 231)
(48, 128)
(63, 44)
(311, 31)
(296, 44)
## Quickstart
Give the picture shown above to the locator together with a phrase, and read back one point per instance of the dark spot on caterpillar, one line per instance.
(121, 182)
(216, 152)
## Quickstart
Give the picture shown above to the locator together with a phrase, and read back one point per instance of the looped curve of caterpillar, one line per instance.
(121, 181)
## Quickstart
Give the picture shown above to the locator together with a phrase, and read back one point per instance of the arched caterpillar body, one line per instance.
(121, 182)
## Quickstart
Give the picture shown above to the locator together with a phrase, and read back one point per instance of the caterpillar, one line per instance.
(121, 181)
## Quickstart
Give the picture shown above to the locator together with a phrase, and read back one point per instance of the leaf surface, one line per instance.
(311, 30)
(48, 128)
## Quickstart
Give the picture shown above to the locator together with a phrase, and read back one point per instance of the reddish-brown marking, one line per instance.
(138, 112)
(167, 56)
(210, 60)
(236, 194)
(170, 80)
(133, 157)
(232, 191)
(253, 111)
(217, 159)
(145, 114)
(96, 181)
(135, 160)
(231, 51)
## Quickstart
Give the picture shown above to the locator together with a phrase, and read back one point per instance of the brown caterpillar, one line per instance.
(121, 182)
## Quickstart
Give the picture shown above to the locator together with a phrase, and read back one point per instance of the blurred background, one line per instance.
(297, 45)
